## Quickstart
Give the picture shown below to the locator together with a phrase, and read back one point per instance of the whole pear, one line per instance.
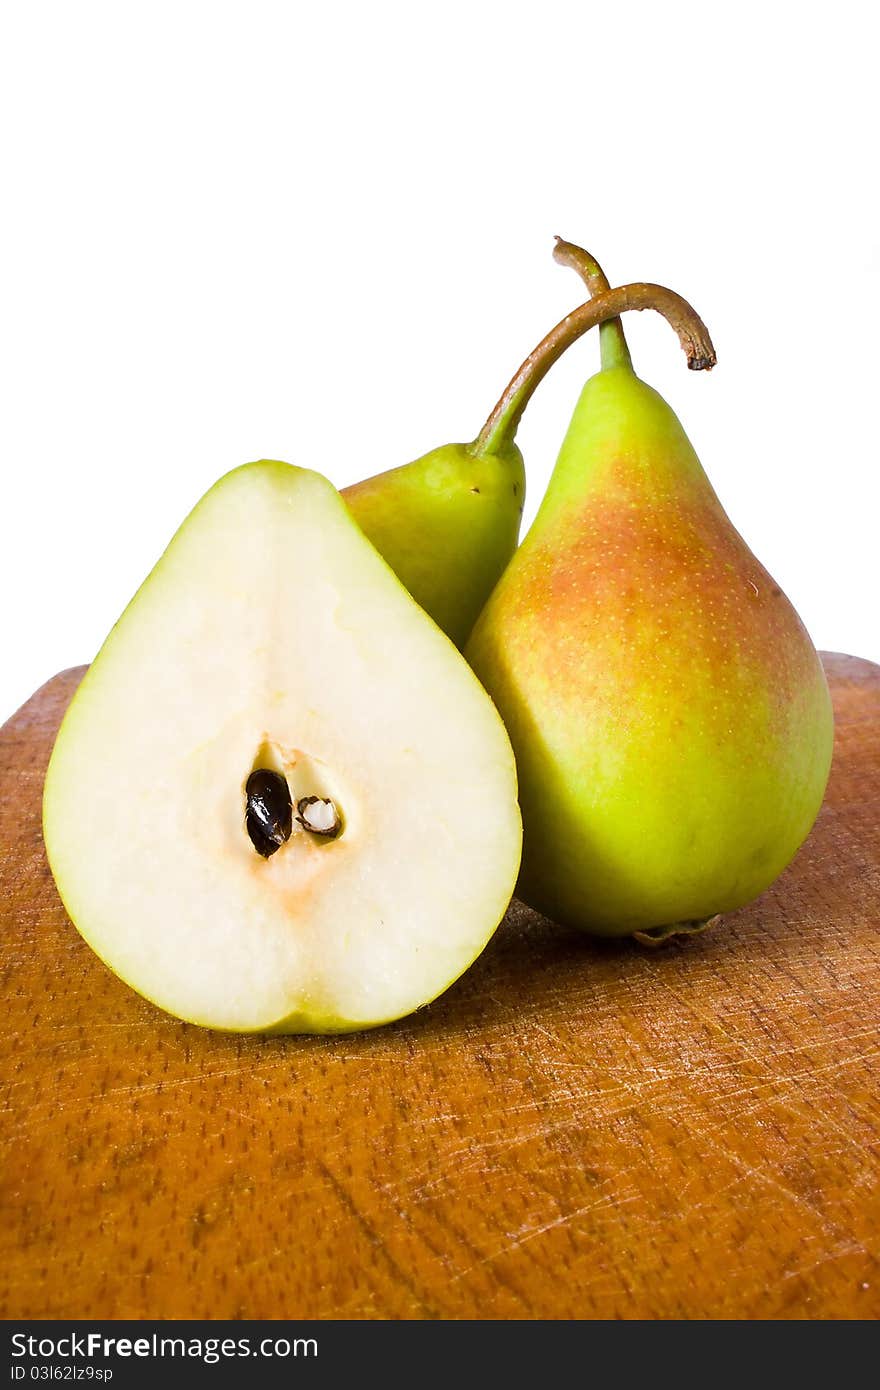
(670, 717)
(449, 522)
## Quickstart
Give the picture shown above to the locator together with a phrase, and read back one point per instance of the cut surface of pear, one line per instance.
(669, 713)
(271, 636)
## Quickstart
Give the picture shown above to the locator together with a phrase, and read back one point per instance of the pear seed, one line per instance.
(269, 816)
(318, 814)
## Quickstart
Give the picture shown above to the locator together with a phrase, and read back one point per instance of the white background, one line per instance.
(323, 233)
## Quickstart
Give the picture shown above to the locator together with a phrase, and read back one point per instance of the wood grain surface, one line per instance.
(575, 1130)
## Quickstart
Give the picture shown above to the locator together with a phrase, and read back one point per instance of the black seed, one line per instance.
(269, 816)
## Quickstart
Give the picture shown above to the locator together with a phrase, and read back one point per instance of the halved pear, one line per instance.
(272, 637)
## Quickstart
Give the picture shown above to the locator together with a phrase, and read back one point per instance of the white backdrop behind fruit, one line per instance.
(324, 236)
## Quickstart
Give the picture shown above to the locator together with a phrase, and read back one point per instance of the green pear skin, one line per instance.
(670, 717)
(447, 524)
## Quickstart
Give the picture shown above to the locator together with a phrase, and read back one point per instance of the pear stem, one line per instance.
(612, 339)
(693, 335)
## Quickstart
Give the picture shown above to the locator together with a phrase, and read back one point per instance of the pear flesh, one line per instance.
(271, 638)
(670, 716)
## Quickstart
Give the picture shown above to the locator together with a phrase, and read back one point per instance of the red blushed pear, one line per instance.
(448, 523)
(669, 714)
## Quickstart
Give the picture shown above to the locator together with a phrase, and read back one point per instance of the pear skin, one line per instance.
(670, 717)
(447, 525)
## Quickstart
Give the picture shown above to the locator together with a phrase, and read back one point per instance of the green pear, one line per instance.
(669, 714)
(448, 523)
(280, 800)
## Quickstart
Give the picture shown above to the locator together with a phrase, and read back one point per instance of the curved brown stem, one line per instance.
(586, 265)
(612, 339)
(692, 334)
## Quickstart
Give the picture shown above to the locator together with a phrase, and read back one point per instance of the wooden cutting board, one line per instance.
(575, 1130)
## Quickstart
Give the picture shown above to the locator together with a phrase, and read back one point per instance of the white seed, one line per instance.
(318, 814)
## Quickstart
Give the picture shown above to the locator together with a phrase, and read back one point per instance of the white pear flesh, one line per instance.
(271, 633)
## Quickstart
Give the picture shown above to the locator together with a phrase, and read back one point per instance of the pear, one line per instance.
(669, 714)
(280, 800)
(448, 523)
